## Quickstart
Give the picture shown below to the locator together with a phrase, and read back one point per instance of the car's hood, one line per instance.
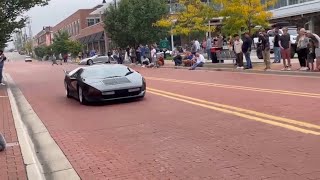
(108, 84)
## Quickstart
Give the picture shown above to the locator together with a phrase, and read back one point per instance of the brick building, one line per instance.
(44, 37)
(93, 36)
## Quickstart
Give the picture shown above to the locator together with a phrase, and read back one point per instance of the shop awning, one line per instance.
(98, 36)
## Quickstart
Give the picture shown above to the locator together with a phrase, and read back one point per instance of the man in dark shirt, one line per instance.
(285, 44)
(276, 47)
(246, 49)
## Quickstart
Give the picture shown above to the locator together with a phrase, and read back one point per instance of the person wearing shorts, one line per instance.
(285, 44)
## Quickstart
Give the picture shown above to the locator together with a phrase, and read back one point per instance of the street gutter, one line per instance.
(43, 158)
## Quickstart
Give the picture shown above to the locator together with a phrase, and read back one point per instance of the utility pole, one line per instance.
(171, 12)
(30, 35)
(209, 32)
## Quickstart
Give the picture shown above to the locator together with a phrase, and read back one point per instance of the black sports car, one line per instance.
(104, 82)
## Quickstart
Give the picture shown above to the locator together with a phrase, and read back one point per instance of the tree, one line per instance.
(243, 15)
(10, 12)
(131, 22)
(193, 18)
(28, 47)
(74, 47)
(60, 43)
(40, 51)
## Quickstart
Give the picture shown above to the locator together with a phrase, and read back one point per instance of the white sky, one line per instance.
(56, 11)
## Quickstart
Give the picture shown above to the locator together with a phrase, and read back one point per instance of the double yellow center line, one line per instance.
(273, 91)
(290, 124)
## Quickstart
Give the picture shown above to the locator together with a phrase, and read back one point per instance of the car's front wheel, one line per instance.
(90, 62)
(67, 91)
(81, 97)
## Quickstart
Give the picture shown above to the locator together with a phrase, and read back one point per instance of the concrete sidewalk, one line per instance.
(11, 161)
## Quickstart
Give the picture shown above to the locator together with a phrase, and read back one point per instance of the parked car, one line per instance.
(95, 60)
(104, 82)
(28, 59)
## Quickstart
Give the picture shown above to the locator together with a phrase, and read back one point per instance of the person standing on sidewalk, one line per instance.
(208, 47)
(276, 47)
(264, 40)
(238, 50)
(246, 49)
(302, 48)
(285, 44)
(2, 59)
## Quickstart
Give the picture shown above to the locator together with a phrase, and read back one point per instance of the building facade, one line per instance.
(300, 13)
(44, 37)
(86, 26)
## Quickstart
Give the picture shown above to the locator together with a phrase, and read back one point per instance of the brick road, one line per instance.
(11, 162)
(164, 138)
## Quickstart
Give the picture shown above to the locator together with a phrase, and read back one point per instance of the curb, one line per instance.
(254, 71)
(42, 157)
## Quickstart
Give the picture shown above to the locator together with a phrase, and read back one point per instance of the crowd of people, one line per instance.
(307, 47)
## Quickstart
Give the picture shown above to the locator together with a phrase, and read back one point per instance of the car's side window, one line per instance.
(76, 74)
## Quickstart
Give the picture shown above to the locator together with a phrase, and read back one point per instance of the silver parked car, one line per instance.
(96, 60)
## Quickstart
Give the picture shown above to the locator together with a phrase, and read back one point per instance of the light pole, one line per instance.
(172, 42)
(209, 32)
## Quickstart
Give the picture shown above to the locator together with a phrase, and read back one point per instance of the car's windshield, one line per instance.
(106, 72)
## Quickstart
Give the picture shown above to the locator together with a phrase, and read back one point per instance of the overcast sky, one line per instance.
(56, 11)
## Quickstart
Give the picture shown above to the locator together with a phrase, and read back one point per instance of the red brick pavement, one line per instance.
(11, 162)
(159, 138)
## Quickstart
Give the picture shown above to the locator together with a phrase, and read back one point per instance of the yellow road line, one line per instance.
(251, 112)
(3, 96)
(258, 119)
(274, 91)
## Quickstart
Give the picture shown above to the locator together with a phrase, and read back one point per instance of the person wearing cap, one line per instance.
(2, 59)
(302, 49)
(285, 46)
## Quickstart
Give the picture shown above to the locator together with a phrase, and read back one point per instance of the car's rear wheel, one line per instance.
(81, 97)
(90, 62)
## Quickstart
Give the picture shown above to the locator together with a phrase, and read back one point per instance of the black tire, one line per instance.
(90, 62)
(81, 97)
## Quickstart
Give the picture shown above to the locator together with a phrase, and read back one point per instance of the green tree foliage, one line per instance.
(74, 47)
(193, 18)
(63, 45)
(131, 22)
(60, 43)
(10, 11)
(28, 47)
(243, 15)
(40, 51)
(48, 50)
